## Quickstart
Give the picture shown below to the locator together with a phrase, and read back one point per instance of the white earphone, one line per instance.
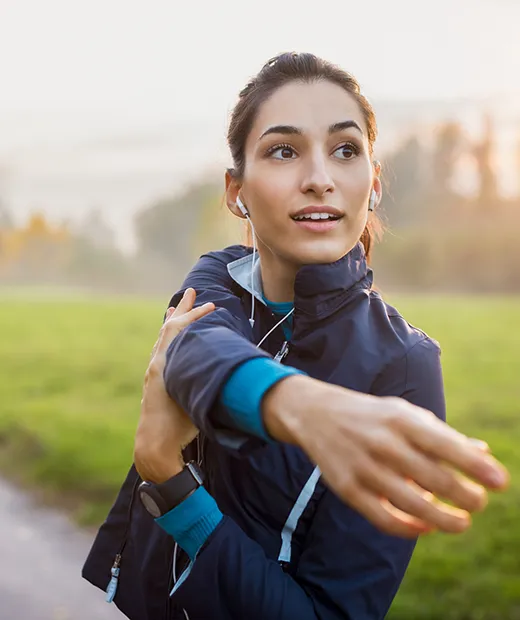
(373, 200)
(242, 207)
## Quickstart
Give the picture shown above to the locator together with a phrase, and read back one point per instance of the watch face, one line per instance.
(150, 504)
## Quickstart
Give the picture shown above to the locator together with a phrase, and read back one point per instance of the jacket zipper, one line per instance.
(282, 353)
(116, 566)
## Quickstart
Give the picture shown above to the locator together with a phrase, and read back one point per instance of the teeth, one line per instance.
(315, 216)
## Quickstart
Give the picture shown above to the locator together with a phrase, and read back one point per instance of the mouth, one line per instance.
(318, 219)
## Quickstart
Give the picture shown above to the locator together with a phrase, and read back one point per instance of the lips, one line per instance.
(317, 212)
(318, 217)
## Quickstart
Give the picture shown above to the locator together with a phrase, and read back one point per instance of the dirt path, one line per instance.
(41, 555)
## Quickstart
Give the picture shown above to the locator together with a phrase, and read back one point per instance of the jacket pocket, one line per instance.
(131, 556)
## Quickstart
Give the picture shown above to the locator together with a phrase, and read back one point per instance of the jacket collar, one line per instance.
(319, 289)
(240, 271)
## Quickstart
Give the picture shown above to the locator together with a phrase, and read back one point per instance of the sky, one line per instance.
(111, 102)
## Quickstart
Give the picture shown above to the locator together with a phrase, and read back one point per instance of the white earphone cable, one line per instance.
(253, 264)
(273, 328)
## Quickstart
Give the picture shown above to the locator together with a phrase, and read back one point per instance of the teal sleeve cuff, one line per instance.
(192, 521)
(243, 392)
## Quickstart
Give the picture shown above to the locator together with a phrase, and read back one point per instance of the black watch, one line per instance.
(158, 499)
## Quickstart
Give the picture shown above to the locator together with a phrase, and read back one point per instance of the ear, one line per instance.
(377, 185)
(232, 189)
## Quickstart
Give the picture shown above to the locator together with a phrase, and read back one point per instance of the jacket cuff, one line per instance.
(245, 389)
(192, 521)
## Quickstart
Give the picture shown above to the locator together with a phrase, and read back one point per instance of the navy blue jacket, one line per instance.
(287, 547)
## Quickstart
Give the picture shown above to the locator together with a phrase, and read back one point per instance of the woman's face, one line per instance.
(307, 156)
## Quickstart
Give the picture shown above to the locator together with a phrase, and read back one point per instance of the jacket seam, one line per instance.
(405, 355)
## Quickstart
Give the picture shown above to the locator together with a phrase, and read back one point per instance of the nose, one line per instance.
(317, 177)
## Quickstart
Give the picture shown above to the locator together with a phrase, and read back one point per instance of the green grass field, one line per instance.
(70, 388)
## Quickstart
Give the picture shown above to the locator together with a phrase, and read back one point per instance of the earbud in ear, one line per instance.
(242, 207)
(373, 200)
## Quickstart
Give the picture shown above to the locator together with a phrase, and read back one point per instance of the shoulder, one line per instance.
(210, 274)
(211, 267)
(395, 330)
(223, 257)
(412, 369)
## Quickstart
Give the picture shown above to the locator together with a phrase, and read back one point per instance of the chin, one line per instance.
(320, 252)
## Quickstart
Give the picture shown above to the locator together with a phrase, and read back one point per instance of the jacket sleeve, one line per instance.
(203, 356)
(348, 570)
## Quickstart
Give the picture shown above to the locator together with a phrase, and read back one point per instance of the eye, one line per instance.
(281, 151)
(347, 151)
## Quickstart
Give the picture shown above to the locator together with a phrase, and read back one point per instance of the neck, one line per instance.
(278, 277)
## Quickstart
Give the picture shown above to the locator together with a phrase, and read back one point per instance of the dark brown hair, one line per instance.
(280, 70)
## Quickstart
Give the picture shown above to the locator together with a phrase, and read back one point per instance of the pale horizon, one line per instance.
(111, 103)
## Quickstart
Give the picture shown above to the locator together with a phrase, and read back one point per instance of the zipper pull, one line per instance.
(282, 352)
(112, 586)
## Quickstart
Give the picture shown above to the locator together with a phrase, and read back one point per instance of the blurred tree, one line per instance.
(6, 220)
(100, 267)
(448, 145)
(35, 251)
(94, 229)
(483, 152)
(404, 176)
(167, 229)
(217, 227)
(518, 167)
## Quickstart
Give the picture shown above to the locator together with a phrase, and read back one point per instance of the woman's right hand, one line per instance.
(388, 459)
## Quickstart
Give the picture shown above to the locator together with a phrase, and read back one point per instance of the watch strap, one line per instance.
(175, 490)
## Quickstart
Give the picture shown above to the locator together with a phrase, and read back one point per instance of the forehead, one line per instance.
(313, 107)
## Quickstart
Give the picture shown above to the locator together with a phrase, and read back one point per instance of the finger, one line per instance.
(186, 303)
(154, 349)
(176, 324)
(407, 499)
(443, 442)
(194, 315)
(434, 476)
(481, 445)
(386, 517)
(420, 490)
(169, 312)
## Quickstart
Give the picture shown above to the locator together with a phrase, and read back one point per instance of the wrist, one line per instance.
(163, 471)
(289, 405)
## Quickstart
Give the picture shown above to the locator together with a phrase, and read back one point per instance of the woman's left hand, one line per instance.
(164, 429)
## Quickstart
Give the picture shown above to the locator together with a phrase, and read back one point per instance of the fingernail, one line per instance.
(480, 444)
(497, 478)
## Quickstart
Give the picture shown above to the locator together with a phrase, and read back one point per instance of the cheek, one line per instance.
(268, 194)
(357, 188)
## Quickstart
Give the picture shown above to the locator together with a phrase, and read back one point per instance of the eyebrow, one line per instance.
(291, 130)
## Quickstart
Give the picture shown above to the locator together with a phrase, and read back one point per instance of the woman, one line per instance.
(320, 407)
